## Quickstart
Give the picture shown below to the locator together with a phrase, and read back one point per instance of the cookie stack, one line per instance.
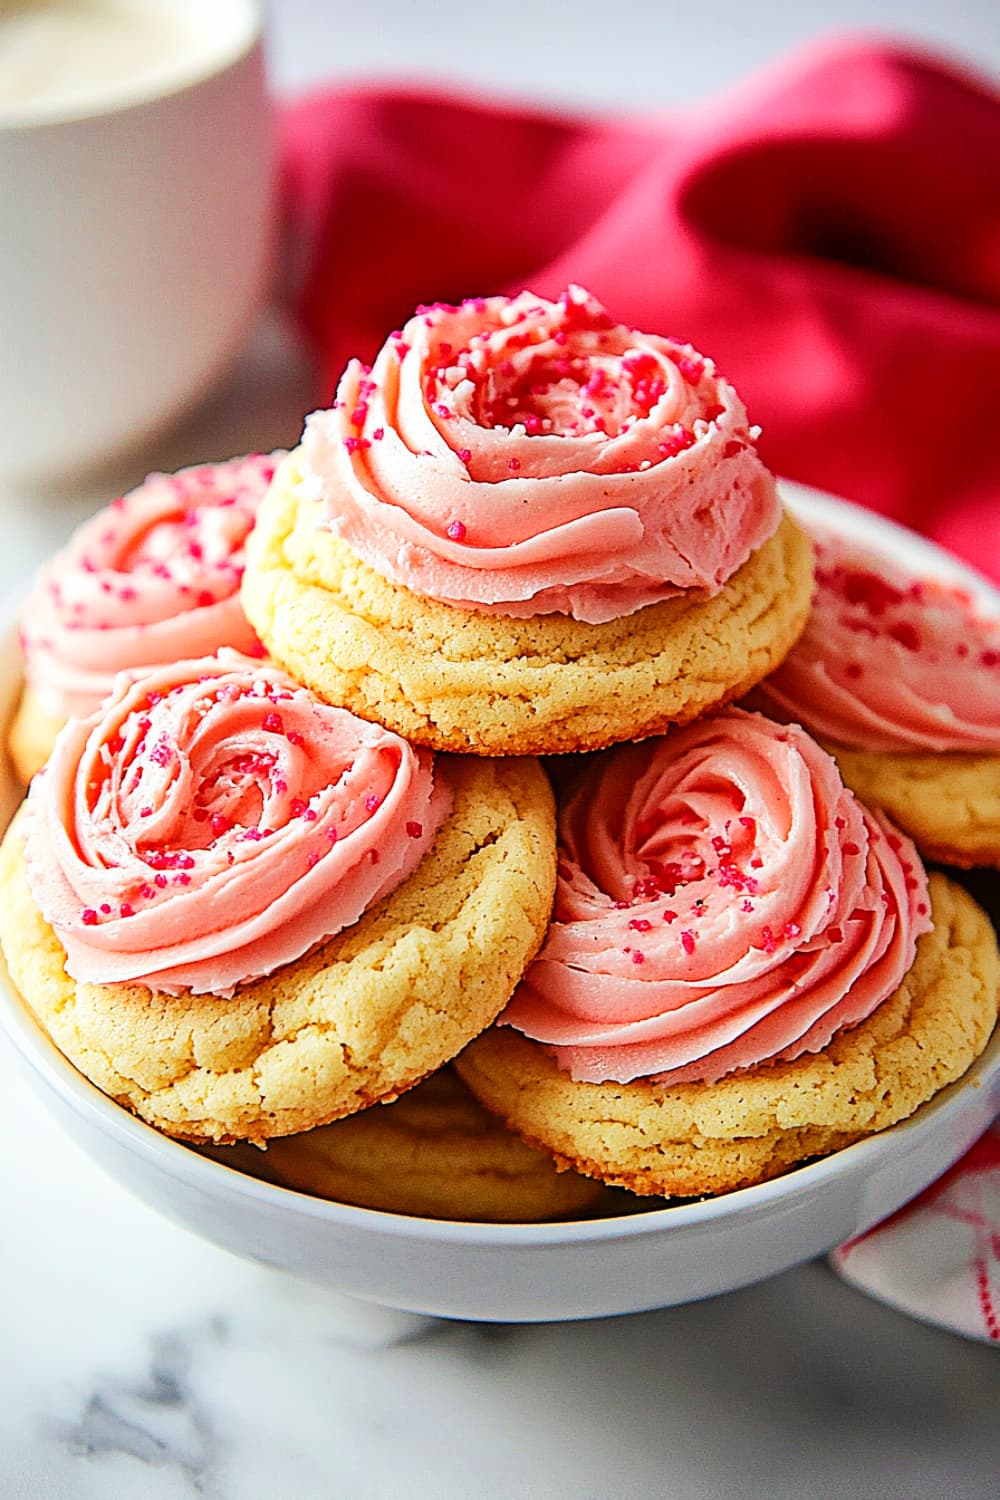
(252, 897)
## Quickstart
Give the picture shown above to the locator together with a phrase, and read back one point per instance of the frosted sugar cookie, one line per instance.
(746, 969)
(528, 529)
(899, 676)
(436, 1153)
(151, 578)
(243, 913)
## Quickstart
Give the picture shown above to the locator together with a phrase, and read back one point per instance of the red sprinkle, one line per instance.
(687, 941)
(415, 830)
(273, 723)
(637, 957)
(456, 531)
(639, 924)
(88, 916)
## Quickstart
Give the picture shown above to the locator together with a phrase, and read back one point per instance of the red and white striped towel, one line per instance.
(938, 1258)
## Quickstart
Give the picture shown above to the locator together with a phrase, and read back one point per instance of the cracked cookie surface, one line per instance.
(489, 684)
(362, 1018)
(694, 1139)
(434, 1152)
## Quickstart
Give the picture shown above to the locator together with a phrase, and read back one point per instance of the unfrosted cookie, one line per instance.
(435, 1153)
(205, 809)
(457, 680)
(699, 1138)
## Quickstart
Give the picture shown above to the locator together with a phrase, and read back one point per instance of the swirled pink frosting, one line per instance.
(153, 577)
(530, 457)
(722, 901)
(889, 661)
(214, 821)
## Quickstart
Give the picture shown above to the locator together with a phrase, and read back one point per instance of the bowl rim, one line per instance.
(184, 1163)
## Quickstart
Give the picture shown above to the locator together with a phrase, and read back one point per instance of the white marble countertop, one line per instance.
(137, 1361)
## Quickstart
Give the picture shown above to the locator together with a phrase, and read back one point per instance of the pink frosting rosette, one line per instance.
(890, 662)
(532, 457)
(722, 901)
(215, 821)
(153, 577)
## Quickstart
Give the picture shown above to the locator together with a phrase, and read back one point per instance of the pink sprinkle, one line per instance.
(332, 835)
(463, 455)
(146, 892)
(791, 929)
(639, 924)
(293, 737)
(514, 465)
(373, 803)
(687, 941)
(126, 910)
(105, 908)
(456, 531)
(160, 880)
(145, 812)
(415, 830)
(378, 434)
(767, 940)
(88, 916)
(273, 723)
(182, 879)
(747, 906)
(637, 957)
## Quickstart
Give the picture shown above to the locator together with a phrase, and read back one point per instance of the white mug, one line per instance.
(136, 215)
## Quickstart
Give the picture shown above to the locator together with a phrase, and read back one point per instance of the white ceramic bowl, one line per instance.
(540, 1272)
(138, 215)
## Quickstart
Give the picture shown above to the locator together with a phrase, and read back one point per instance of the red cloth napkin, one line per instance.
(828, 232)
